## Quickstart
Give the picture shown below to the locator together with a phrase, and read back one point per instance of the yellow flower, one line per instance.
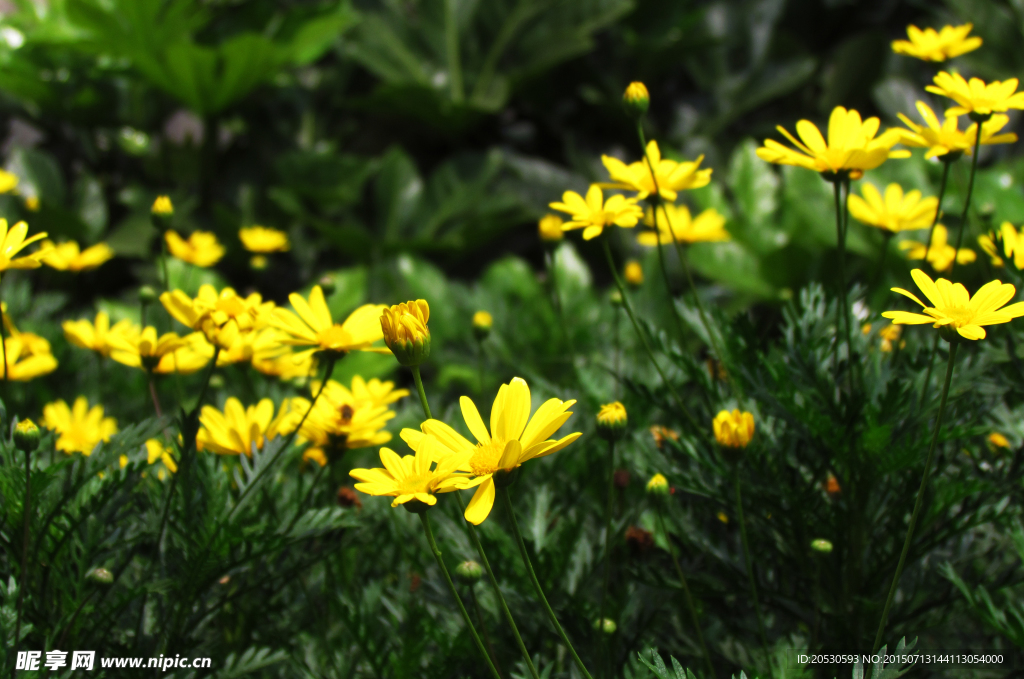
(26, 359)
(941, 254)
(954, 308)
(975, 97)
(932, 45)
(347, 419)
(269, 360)
(156, 450)
(96, 335)
(8, 181)
(550, 228)
(633, 273)
(658, 485)
(238, 430)
(13, 241)
(889, 335)
(947, 137)
(201, 249)
(165, 354)
(611, 421)
(723, 517)
(852, 145)
(998, 440)
(252, 345)
(162, 206)
(514, 438)
(405, 331)
(214, 313)
(264, 240)
(412, 477)
(483, 319)
(80, 428)
(311, 325)
(675, 222)
(897, 212)
(733, 429)
(1013, 245)
(66, 256)
(671, 176)
(594, 213)
(259, 262)
(31, 202)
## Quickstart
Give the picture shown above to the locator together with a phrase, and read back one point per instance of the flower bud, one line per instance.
(469, 571)
(615, 297)
(658, 485)
(406, 333)
(26, 436)
(821, 545)
(550, 229)
(482, 322)
(733, 431)
(216, 381)
(606, 625)
(636, 99)
(258, 262)
(611, 421)
(147, 295)
(101, 576)
(161, 213)
(633, 273)
(995, 439)
(328, 285)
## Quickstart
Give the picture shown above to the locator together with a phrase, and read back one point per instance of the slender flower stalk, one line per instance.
(503, 491)
(938, 208)
(750, 569)
(26, 439)
(844, 321)
(643, 338)
(607, 534)
(451, 587)
(918, 503)
(419, 390)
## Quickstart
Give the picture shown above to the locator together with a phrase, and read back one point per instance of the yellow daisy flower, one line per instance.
(80, 428)
(162, 355)
(238, 430)
(68, 257)
(941, 254)
(947, 137)
(25, 359)
(201, 249)
(852, 145)
(733, 429)
(514, 438)
(954, 308)
(709, 226)
(896, 212)
(156, 450)
(250, 346)
(263, 240)
(594, 213)
(311, 325)
(412, 477)
(889, 335)
(1013, 245)
(211, 312)
(671, 176)
(932, 45)
(975, 97)
(13, 241)
(96, 335)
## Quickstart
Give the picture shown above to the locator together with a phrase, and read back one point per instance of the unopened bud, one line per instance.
(615, 297)
(606, 625)
(821, 545)
(482, 322)
(469, 571)
(26, 436)
(634, 273)
(636, 99)
(611, 421)
(147, 295)
(328, 285)
(101, 576)
(658, 485)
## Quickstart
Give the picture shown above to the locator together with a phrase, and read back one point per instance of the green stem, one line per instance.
(686, 591)
(886, 239)
(967, 200)
(163, 260)
(497, 590)
(919, 502)
(750, 568)
(451, 41)
(507, 502)
(938, 208)
(928, 372)
(607, 532)
(664, 274)
(451, 587)
(483, 627)
(643, 340)
(480, 367)
(3, 347)
(305, 500)
(419, 389)
(844, 321)
(23, 576)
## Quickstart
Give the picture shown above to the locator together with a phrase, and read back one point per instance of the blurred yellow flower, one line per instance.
(25, 359)
(157, 450)
(975, 97)
(13, 241)
(80, 428)
(852, 145)
(212, 313)
(483, 320)
(67, 257)
(8, 181)
(709, 226)
(201, 249)
(954, 308)
(270, 360)
(263, 240)
(412, 477)
(252, 345)
(162, 355)
(723, 517)
(671, 176)
(1012, 242)
(932, 45)
(897, 212)
(311, 325)
(514, 438)
(889, 335)
(259, 262)
(405, 331)
(550, 228)
(940, 254)
(733, 429)
(594, 213)
(162, 206)
(658, 485)
(31, 202)
(947, 137)
(633, 273)
(96, 335)
(998, 440)
(238, 430)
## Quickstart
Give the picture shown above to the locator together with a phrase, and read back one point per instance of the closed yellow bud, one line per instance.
(636, 99)
(26, 436)
(550, 229)
(658, 485)
(405, 331)
(634, 273)
(733, 429)
(162, 206)
(611, 421)
(482, 322)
